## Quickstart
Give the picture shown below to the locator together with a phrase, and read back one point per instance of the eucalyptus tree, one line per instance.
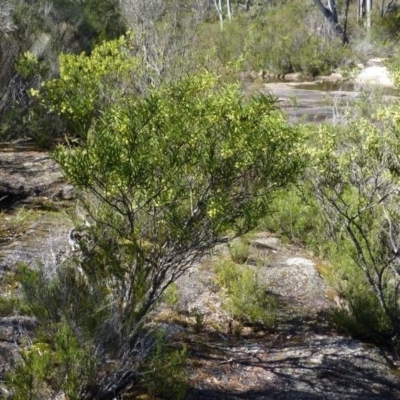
(365, 11)
(219, 7)
(330, 13)
(165, 33)
(387, 6)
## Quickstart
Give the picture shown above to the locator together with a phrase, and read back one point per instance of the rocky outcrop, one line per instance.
(319, 101)
(30, 178)
(374, 72)
(28, 234)
(301, 358)
(27, 174)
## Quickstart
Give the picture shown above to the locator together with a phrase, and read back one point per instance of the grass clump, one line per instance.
(245, 297)
(164, 372)
(296, 217)
(239, 251)
(13, 225)
(362, 316)
(171, 296)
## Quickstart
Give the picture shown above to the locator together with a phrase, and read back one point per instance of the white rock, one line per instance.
(299, 261)
(375, 75)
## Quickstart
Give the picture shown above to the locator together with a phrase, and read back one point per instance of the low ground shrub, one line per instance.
(164, 371)
(296, 217)
(361, 316)
(245, 298)
(82, 347)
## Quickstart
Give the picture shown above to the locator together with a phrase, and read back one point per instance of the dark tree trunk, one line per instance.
(330, 14)
(346, 14)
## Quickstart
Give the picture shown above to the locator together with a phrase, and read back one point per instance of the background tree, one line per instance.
(365, 11)
(330, 13)
(165, 34)
(219, 7)
(387, 6)
(44, 29)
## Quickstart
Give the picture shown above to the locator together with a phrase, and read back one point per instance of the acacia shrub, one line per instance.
(172, 172)
(161, 179)
(355, 180)
(346, 210)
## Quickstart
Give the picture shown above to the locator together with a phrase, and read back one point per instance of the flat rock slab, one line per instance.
(303, 102)
(317, 102)
(376, 75)
(297, 282)
(28, 175)
(44, 241)
(292, 368)
(13, 331)
(302, 357)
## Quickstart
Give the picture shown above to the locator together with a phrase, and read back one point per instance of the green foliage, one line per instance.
(171, 295)
(88, 84)
(361, 315)
(74, 338)
(83, 346)
(101, 19)
(30, 54)
(394, 67)
(10, 300)
(296, 216)
(173, 171)
(230, 42)
(161, 179)
(8, 306)
(62, 356)
(198, 320)
(386, 30)
(28, 66)
(292, 46)
(92, 20)
(164, 372)
(346, 210)
(369, 101)
(304, 43)
(245, 298)
(28, 378)
(355, 178)
(363, 318)
(57, 362)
